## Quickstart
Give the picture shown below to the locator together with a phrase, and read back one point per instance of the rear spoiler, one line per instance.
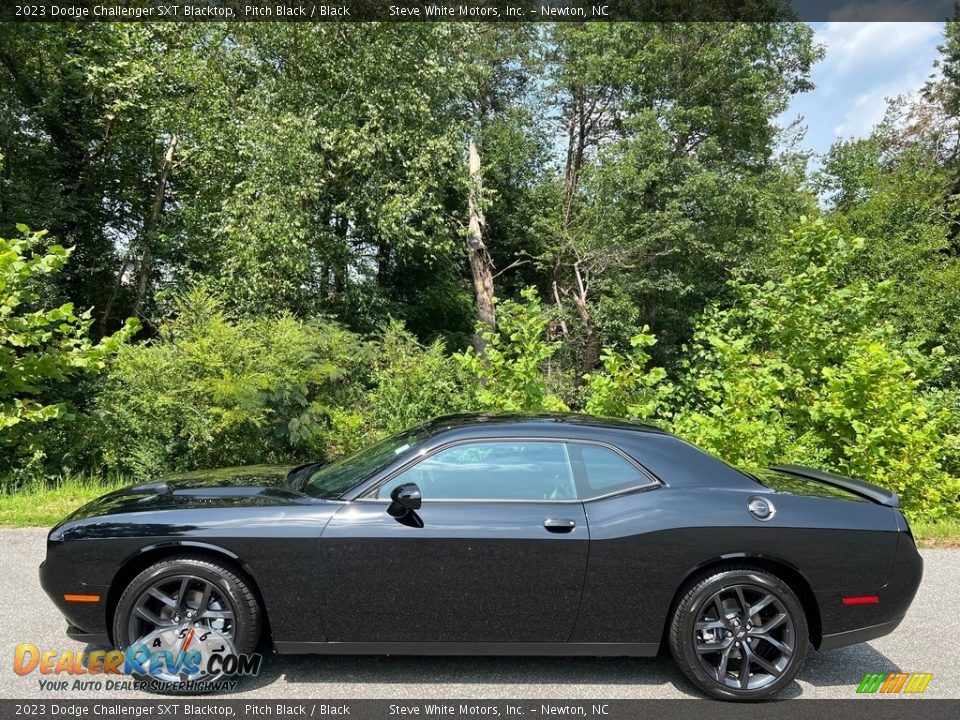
(857, 487)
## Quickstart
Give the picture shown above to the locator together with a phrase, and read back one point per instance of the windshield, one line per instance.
(333, 480)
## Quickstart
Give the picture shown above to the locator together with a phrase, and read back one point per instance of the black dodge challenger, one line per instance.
(494, 534)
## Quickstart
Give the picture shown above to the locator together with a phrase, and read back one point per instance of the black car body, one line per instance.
(583, 541)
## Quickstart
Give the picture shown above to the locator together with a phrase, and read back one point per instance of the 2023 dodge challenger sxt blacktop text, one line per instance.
(480, 534)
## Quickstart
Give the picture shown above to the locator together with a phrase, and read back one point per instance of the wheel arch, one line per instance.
(148, 555)
(776, 566)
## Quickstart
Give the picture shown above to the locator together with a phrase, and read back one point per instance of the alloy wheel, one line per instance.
(744, 636)
(181, 601)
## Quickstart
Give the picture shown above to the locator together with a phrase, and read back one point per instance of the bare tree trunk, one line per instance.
(576, 150)
(559, 302)
(591, 350)
(578, 127)
(144, 266)
(568, 175)
(342, 271)
(111, 301)
(481, 265)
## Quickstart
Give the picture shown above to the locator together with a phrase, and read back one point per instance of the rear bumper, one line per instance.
(904, 580)
(852, 637)
(850, 624)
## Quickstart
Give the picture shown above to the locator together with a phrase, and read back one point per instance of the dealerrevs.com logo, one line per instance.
(176, 658)
(894, 683)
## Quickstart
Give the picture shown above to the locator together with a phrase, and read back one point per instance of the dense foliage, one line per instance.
(42, 349)
(807, 368)
(209, 390)
(325, 233)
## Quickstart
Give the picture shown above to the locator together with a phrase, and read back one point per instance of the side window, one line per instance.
(604, 471)
(508, 470)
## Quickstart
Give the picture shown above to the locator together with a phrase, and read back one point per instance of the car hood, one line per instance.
(226, 487)
(263, 476)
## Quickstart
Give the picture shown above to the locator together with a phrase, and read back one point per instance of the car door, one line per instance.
(497, 551)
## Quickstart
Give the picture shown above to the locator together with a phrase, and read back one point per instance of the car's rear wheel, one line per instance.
(739, 634)
(188, 603)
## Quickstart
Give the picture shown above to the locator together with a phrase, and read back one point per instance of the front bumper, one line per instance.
(87, 621)
(96, 639)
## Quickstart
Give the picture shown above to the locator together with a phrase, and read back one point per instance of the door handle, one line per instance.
(557, 525)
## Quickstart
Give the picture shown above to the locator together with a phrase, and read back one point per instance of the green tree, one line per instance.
(41, 348)
(409, 383)
(512, 373)
(412, 382)
(804, 368)
(669, 180)
(897, 189)
(625, 386)
(92, 140)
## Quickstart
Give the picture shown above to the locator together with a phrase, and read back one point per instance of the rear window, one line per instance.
(604, 470)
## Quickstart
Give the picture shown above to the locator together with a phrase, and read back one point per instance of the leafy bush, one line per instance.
(803, 370)
(211, 392)
(511, 374)
(625, 387)
(409, 384)
(413, 383)
(41, 349)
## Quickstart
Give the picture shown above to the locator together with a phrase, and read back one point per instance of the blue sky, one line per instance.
(865, 63)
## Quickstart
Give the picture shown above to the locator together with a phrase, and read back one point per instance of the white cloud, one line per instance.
(856, 45)
(868, 109)
(865, 64)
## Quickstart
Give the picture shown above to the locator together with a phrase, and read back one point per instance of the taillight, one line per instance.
(861, 600)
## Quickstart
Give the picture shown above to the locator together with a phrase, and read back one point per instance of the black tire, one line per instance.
(233, 588)
(730, 640)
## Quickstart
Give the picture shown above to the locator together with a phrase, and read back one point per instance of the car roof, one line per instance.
(662, 454)
(535, 423)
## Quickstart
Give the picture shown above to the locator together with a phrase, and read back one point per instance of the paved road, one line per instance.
(927, 641)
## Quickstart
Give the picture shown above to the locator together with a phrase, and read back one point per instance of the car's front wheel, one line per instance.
(739, 634)
(186, 604)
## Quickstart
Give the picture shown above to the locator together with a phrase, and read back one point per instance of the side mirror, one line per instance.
(405, 498)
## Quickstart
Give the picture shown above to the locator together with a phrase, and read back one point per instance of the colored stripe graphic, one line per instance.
(898, 684)
(892, 683)
(871, 682)
(919, 684)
